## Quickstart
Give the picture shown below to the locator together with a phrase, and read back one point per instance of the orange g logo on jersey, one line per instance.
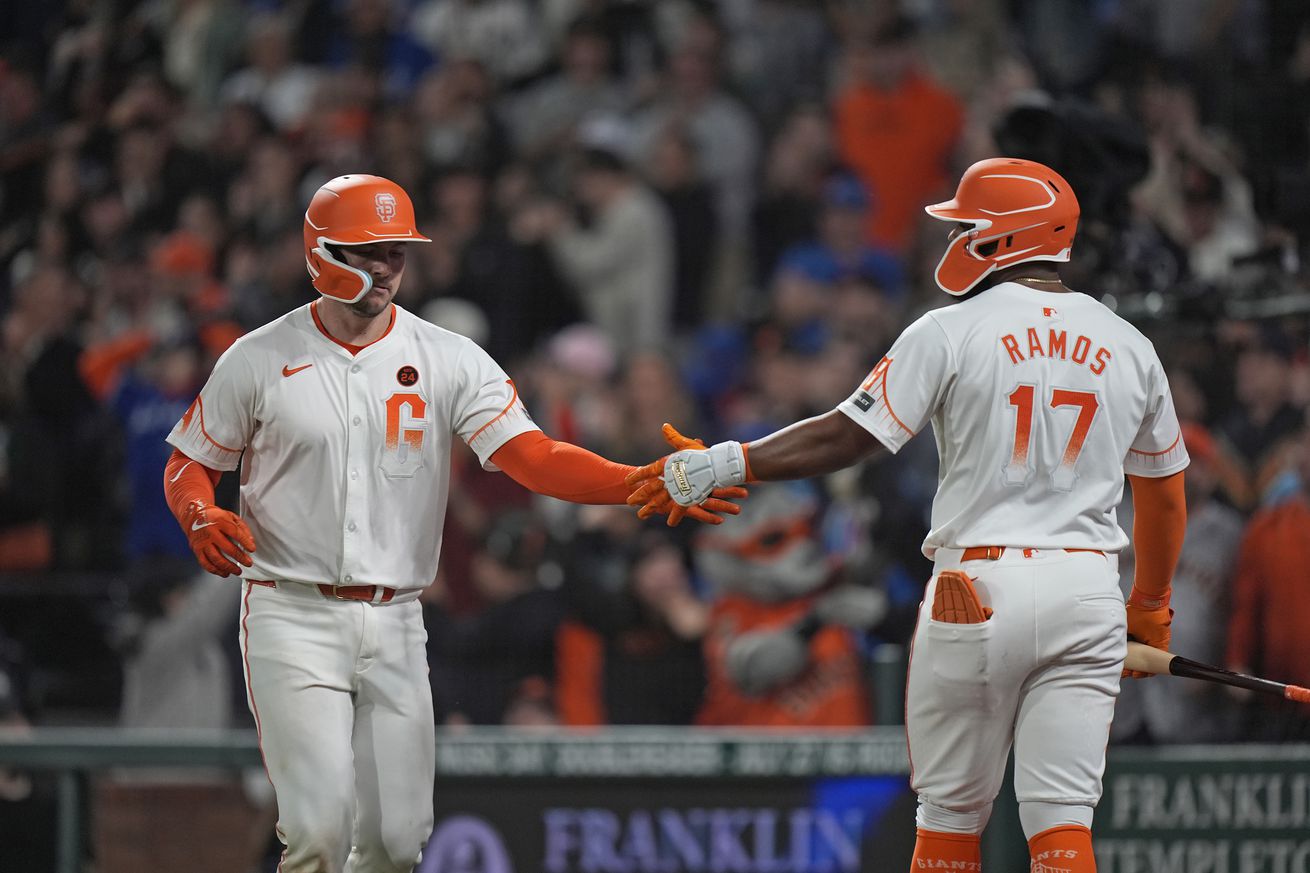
(407, 427)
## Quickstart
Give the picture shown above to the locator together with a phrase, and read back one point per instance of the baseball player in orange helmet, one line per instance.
(342, 414)
(1041, 399)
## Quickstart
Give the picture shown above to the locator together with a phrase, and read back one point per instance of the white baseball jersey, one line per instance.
(1040, 403)
(347, 457)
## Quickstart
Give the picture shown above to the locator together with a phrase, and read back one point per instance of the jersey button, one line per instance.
(355, 369)
(350, 578)
(351, 526)
(354, 474)
(356, 420)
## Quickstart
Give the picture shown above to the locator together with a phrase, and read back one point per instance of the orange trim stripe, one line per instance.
(515, 396)
(353, 349)
(200, 405)
(905, 704)
(245, 661)
(1158, 454)
(887, 400)
(254, 709)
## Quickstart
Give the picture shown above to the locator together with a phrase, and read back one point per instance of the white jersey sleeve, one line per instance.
(488, 411)
(902, 392)
(218, 425)
(1158, 449)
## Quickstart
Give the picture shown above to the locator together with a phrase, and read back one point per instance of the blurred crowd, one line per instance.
(707, 213)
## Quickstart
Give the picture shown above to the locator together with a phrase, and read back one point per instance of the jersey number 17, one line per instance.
(1022, 465)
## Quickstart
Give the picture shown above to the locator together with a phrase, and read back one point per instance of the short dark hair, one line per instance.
(601, 160)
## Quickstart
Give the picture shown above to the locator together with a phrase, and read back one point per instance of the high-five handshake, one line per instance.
(697, 481)
(691, 481)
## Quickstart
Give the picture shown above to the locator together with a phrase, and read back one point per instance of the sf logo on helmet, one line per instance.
(385, 202)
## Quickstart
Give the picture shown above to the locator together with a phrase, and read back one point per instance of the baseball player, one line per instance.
(1041, 400)
(342, 414)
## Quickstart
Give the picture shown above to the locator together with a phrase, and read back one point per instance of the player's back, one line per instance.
(1050, 397)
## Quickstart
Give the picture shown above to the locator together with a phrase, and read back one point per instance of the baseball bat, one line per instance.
(1148, 659)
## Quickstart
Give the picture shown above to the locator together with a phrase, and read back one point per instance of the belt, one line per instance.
(368, 593)
(365, 593)
(993, 553)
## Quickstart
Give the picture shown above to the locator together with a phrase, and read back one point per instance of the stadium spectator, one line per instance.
(895, 127)
(282, 88)
(727, 142)
(55, 447)
(545, 117)
(1265, 626)
(372, 36)
(514, 285)
(176, 673)
(630, 653)
(778, 54)
(1262, 415)
(673, 170)
(457, 126)
(479, 661)
(649, 393)
(147, 401)
(1162, 711)
(503, 35)
(621, 264)
(786, 211)
(842, 249)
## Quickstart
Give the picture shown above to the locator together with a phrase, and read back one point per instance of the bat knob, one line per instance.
(1297, 693)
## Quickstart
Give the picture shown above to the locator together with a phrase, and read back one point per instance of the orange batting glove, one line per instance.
(218, 538)
(652, 497)
(1149, 616)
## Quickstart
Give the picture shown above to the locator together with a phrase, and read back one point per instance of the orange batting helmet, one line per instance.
(1016, 210)
(350, 211)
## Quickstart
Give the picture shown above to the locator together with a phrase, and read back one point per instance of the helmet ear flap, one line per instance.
(960, 269)
(333, 277)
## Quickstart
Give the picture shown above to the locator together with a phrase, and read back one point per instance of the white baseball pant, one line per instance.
(340, 695)
(1041, 674)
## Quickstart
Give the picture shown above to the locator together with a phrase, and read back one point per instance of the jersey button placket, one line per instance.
(357, 449)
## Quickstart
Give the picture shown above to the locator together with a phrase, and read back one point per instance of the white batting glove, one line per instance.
(691, 476)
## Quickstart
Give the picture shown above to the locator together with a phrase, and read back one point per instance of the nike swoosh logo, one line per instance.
(197, 525)
(178, 474)
(289, 371)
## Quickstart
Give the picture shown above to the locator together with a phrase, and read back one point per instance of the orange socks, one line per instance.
(1064, 849)
(935, 850)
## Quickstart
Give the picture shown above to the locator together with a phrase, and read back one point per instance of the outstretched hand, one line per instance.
(651, 496)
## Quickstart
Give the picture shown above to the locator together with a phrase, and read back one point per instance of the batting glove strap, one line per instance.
(1142, 600)
(691, 476)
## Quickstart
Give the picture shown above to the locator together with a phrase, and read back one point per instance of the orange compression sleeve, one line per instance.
(562, 470)
(1159, 523)
(187, 480)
